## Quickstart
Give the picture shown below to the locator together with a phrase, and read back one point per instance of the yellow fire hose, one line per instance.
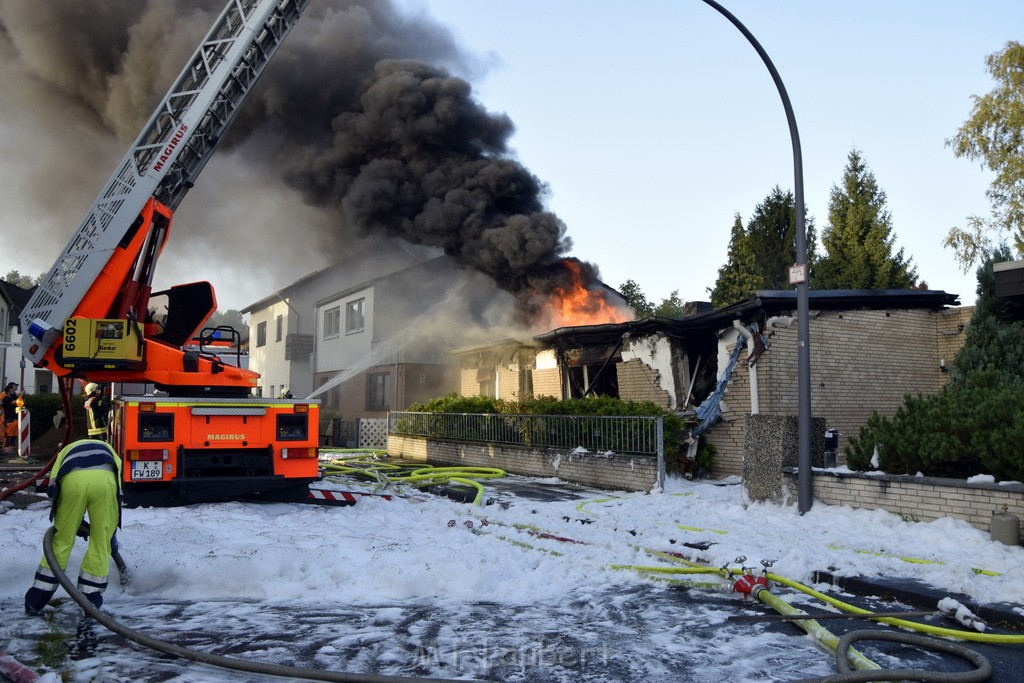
(421, 476)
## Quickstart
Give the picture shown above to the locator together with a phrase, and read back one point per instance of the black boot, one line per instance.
(36, 599)
(95, 598)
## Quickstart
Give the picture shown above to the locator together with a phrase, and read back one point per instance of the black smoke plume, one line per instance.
(359, 112)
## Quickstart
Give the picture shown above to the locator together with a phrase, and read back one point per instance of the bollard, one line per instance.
(24, 430)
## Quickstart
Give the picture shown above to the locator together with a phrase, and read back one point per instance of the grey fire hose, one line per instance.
(84, 529)
(846, 675)
(205, 657)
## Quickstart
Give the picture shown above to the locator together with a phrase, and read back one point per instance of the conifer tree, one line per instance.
(772, 235)
(859, 251)
(738, 278)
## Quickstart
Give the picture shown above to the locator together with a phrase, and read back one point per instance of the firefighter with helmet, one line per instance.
(96, 409)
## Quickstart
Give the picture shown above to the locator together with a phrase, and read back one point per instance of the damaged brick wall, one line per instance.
(640, 382)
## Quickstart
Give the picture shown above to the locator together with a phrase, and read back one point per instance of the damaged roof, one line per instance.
(761, 302)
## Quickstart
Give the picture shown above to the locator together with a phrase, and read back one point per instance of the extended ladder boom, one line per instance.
(163, 163)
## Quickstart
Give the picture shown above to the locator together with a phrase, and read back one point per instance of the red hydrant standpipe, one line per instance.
(757, 587)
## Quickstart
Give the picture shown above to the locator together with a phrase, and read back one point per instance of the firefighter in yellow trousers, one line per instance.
(85, 478)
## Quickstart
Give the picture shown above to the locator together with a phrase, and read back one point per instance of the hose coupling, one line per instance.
(751, 585)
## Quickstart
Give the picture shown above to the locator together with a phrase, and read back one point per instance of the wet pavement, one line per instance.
(637, 632)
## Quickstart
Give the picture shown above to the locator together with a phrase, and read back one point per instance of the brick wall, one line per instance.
(353, 397)
(612, 472)
(950, 326)
(547, 382)
(640, 382)
(468, 386)
(508, 382)
(921, 499)
(861, 362)
(727, 436)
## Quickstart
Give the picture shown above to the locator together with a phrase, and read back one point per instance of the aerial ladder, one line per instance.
(94, 316)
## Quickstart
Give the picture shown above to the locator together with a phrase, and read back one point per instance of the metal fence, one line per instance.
(638, 435)
(366, 432)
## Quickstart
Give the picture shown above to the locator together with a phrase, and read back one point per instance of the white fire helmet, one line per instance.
(91, 387)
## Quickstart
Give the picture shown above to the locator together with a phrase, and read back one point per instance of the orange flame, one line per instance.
(576, 304)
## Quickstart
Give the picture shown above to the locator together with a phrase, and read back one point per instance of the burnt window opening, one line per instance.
(591, 371)
(591, 380)
(486, 378)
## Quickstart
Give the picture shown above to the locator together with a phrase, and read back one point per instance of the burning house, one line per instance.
(868, 350)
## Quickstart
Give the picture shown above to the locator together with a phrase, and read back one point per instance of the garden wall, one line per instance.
(920, 499)
(606, 471)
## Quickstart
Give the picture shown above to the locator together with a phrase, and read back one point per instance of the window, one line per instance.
(354, 316)
(485, 377)
(280, 327)
(332, 322)
(156, 426)
(261, 334)
(293, 426)
(378, 392)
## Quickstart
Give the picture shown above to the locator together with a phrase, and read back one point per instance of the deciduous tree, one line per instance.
(630, 291)
(26, 281)
(994, 136)
(671, 306)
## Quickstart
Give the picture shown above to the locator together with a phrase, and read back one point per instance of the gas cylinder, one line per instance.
(1005, 528)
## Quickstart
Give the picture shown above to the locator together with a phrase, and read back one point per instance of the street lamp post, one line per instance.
(799, 276)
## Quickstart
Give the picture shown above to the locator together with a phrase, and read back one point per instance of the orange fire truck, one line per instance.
(197, 433)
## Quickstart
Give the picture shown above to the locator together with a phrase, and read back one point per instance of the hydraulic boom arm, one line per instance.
(106, 268)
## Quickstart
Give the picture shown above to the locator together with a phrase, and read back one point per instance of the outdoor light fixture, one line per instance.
(804, 483)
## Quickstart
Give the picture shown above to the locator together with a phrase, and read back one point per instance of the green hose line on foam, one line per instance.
(816, 630)
(356, 453)
(206, 657)
(973, 636)
(422, 476)
(812, 627)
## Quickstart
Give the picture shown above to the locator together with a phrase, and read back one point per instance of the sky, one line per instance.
(654, 123)
(651, 124)
(421, 585)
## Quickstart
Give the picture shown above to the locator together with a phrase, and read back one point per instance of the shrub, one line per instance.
(674, 426)
(43, 407)
(975, 424)
(972, 427)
